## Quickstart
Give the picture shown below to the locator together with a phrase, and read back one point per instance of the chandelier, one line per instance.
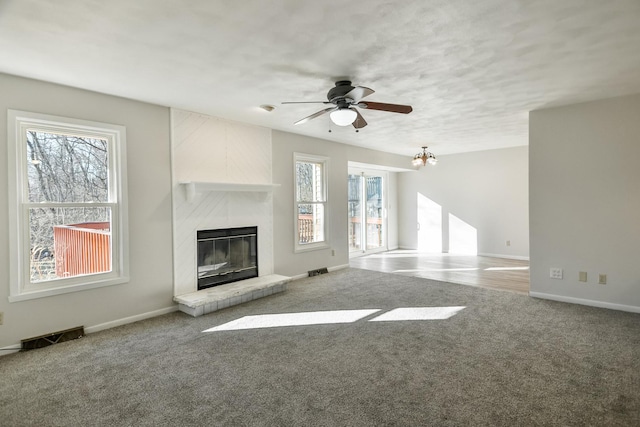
(421, 159)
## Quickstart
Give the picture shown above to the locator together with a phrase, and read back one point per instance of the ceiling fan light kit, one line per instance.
(421, 159)
(344, 97)
(343, 116)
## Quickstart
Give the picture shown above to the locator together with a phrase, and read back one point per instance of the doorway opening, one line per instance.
(367, 212)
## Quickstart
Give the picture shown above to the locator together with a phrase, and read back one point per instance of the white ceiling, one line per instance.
(470, 69)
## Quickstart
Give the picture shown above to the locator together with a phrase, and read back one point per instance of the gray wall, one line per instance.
(486, 189)
(284, 144)
(585, 201)
(148, 156)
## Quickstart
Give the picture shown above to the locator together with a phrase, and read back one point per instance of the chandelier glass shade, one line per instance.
(421, 159)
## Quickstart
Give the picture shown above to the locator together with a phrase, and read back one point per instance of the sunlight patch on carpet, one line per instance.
(418, 313)
(293, 319)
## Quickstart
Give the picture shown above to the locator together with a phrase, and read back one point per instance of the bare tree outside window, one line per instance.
(66, 174)
(67, 199)
(310, 200)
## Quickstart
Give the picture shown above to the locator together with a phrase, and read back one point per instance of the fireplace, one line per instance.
(226, 255)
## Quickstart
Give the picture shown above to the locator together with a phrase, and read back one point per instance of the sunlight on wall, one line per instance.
(430, 225)
(463, 238)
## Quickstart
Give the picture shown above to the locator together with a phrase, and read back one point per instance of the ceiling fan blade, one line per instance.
(314, 115)
(358, 92)
(394, 108)
(359, 122)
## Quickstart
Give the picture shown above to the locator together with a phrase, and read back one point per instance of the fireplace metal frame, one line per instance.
(212, 280)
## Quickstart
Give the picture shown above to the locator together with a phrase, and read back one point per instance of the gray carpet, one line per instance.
(506, 359)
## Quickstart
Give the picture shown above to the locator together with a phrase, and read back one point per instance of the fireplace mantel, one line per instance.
(192, 188)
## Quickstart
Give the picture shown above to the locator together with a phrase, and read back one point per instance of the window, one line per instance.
(311, 202)
(67, 205)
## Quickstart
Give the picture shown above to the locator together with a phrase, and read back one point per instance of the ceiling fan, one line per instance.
(343, 99)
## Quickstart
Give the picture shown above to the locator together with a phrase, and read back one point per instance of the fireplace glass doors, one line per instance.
(227, 255)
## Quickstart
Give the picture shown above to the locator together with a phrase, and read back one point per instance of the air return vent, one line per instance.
(318, 271)
(52, 338)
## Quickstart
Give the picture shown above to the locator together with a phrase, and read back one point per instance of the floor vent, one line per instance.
(53, 338)
(318, 271)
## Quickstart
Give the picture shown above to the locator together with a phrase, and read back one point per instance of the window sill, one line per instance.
(311, 247)
(42, 293)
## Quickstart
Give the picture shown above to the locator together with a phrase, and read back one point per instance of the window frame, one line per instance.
(21, 288)
(324, 244)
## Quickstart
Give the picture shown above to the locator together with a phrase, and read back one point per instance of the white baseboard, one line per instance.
(10, 349)
(518, 257)
(101, 327)
(592, 303)
(131, 319)
(338, 267)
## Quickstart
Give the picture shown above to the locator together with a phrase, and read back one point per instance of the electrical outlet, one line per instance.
(582, 276)
(602, 279)
(1, 317)
(508, 242)
(333, 252)
(555, 273)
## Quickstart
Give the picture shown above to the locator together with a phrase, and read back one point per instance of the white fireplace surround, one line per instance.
(215, 185)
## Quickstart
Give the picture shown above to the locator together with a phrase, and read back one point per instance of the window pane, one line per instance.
(66, 168)
(68, 242)
(374, 212)
(309, 182)
(310, 223)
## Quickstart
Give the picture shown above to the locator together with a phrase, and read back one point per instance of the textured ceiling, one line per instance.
(471, 69)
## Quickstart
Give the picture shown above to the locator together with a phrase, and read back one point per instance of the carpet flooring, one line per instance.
(505, 359)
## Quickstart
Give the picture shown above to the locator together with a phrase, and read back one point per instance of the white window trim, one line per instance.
(305, 247)
(20, 288)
